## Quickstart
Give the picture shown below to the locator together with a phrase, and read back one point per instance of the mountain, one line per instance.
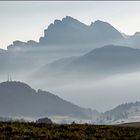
(63, 38)
(104, 32)
(107, 60)
(134, 40)
(22, 45)
(71, 31)
(128, 112)
(17, 99)
(68, 37)
(67, 31)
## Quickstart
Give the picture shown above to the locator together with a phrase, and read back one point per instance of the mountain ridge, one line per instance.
(109, 59)
(19, 99)
(74, 31)
(120, 114)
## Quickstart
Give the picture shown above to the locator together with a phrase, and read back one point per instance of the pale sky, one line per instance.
(27, 20)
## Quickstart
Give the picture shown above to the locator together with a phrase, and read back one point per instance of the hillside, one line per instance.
(107, 60)
(124, 113)
(19, 99)
(63, 38)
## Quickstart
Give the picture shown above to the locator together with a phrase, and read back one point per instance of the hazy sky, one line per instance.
(27, 20)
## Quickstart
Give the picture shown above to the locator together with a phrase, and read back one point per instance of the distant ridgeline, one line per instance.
(70, 31)
(69, 51)
(98, 63)
(63, 38)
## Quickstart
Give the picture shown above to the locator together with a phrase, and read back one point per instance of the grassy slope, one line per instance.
(14, 131)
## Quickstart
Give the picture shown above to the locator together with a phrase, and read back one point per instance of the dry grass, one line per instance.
(34, 131)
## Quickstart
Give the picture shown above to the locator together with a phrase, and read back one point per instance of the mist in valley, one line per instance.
(91, 66)
(100, 94)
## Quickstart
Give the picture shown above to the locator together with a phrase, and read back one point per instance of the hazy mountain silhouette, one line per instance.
(122, 113)
(63, 38)
(69, 34)
(19, 99)
(106, 60)
(73, 34)
(72, 31)
(134, 40)
(20, 44)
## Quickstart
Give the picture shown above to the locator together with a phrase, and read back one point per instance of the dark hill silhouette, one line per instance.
(19, 99)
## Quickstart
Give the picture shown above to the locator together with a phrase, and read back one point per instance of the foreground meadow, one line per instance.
(34, 131)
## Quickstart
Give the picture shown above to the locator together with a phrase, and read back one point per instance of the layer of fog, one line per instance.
(103, 94)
